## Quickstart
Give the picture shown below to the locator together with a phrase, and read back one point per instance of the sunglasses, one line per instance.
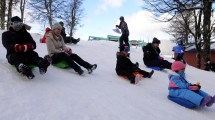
(17, 24)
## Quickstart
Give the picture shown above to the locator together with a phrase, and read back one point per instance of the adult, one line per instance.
(20, 48)
(125, 32)
(152, 56)
(58, 51)
(67, 39)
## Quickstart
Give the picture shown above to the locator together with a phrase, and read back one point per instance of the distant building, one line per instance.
(190, 55)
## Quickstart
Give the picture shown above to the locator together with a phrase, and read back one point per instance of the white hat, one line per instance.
(56, 25)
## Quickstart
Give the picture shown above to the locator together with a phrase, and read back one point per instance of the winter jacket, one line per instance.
(124, 28)
(63, 33)
(54, 44)
(124, 63)
(11, 37)
(150, 53)
(179, 87)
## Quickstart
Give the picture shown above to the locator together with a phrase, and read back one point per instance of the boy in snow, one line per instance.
(181, 88)
(124, 66)
(151, 55)
(58, 51)
(20, 49)
(125, 32)
(179, 51)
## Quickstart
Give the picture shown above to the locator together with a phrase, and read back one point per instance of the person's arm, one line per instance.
(51, 47)
(7, 42)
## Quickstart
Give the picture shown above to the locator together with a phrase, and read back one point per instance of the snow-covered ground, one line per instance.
(64, 95)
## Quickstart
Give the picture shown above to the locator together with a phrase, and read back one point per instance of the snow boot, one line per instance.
(80, 71)
(93, 67)
(150, 74)
(211, 102)
(205, 101)
(43, 64)
(137, 78)
(25, 70)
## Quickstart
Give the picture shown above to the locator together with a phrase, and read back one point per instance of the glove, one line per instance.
(194, 87)
(117, 25)
(24, 48)
(68, 51)
(160, 58)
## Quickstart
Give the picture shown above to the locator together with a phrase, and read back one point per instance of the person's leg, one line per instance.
(121, 41)
(146, 74)
(63, 56)
(129, 74)
(126, 40)
(166, 64)
(80, 61)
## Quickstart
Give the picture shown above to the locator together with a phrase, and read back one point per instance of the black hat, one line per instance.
(155, 40)
(124, 48)
(16, 18)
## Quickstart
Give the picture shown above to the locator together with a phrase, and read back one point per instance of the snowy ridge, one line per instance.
(64, 95)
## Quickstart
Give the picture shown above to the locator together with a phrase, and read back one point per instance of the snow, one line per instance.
(64, 95)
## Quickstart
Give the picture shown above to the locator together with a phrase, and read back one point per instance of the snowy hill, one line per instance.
(64, 95)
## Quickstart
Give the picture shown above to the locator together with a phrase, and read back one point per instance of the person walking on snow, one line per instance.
(152, 56)
(181, 88)
(125, 32)
(124, 66)
(58, 51)
(20, 48)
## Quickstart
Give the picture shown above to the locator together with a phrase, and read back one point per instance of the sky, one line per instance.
(62, 94)
(101, 16)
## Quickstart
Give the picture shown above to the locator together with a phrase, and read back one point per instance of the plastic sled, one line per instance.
(117, 31)
(156, 68)
(182, 102)
(135, 73)
(61, 64)
(31, 66)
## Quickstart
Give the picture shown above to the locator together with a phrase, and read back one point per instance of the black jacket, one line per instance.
(63, 32)
(124, 63)
(150, 53)
(11, 37)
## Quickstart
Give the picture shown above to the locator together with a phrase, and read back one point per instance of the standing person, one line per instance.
(58, 51)
(125, 32)
(20, 49)
(181, 88)
(152, 56)
(125, 67)
(67, 39)
(179, 51)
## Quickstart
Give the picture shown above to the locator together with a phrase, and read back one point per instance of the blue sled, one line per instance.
(182, 102)
(156, 68)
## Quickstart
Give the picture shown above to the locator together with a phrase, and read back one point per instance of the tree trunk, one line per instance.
(22, 8)
(9, 15)
(2, 12)
(207, 32)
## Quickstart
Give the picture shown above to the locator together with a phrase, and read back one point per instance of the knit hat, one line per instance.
(177, 65)
(56, 25)
(124, 48)
(15, 18)
(155, 40)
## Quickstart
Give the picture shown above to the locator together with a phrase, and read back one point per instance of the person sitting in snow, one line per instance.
(43, 40)
(124, 66)
(181, 88)
(179, 51)
(20, 49)
(58, 51)
(151, 55)
(67, 39)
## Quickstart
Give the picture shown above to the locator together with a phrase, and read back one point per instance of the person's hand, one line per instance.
(194, 87)
(23, 48)
(68, 51)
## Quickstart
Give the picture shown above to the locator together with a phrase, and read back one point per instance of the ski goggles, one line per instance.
(17, 24)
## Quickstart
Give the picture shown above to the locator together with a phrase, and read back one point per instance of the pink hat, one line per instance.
(177, 65)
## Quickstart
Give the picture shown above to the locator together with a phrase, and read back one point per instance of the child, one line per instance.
(179, 51)
(125, 67)
(181, 88)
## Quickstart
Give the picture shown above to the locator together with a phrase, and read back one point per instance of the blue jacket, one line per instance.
(178, 49)
(179, 87)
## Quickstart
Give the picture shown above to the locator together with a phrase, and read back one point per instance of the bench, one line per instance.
(96, 38)
(113, 38)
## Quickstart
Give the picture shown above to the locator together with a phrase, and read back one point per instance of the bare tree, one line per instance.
(44, 10)
(2, 12)
(22, 8)
(72, 15)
